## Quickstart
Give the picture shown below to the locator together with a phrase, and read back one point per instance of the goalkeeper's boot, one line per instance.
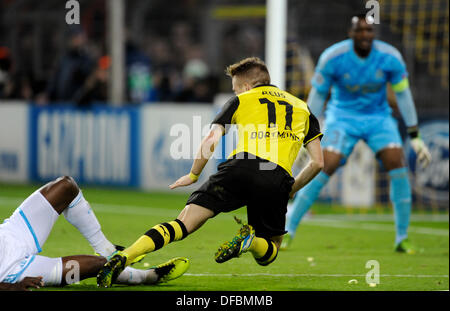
(172, 269)
(405, 246)
(239, 245)
(108, 274)
(287, 240)
(121, 248)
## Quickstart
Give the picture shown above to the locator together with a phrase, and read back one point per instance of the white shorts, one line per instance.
(21, 239)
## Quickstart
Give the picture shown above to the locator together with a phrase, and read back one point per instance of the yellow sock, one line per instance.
(263, 250)
(143, 245)
(157, 237)
(258, 247)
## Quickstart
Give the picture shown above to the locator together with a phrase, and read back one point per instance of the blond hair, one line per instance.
(252, 69)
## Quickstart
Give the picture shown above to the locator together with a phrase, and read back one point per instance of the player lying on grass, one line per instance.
(266, 118)
(23, 235)
(358, 70)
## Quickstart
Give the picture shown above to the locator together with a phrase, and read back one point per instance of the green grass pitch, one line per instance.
(331, 247)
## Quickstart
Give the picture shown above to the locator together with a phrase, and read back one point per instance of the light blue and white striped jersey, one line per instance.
(358, 85)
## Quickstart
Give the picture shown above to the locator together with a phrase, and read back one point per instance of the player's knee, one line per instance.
(60, 192)
(392, 158)
(65, 190)
(67, 187)
(394, 163)
(332, 161)
(329, 169)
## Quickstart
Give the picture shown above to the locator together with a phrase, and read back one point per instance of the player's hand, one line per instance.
(29, 282)
(184, 181)
(421, 150)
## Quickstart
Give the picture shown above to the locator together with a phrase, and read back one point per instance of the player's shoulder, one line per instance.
(295, 101)
(387, 49)
(335, 50)
(274, 92)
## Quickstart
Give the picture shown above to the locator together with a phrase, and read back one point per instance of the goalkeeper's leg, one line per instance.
(400, 195)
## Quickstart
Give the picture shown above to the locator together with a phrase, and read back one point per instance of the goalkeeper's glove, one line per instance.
(419, 147)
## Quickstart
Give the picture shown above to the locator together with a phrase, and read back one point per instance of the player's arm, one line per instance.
(408, 112)
(315, 164)
(321, 83)
(24, 285)
(313, 167)
(219, 128)
(316, 101)
(204, 152)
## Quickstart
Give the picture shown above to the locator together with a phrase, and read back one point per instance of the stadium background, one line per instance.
(174, 61)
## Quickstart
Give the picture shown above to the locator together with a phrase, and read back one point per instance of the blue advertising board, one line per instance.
(98, 146)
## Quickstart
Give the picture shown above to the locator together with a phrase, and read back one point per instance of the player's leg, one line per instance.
(214, 196)
(265, 250)
(167, 271)
(61, 271)
(72, 269)
(386, 142)
(65, 197)
(268, 218)
(191, 218)
(399, 194)
(157, 237)
(80, 267)
(33, 220)
(339, 139)
(266, 212)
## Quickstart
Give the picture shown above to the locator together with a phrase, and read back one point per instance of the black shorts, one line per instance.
(240, 182)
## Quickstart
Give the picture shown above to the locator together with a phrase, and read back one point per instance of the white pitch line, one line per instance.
(312, 275)
(381, 217)
(374, 227)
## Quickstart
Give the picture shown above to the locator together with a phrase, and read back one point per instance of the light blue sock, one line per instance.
(400, 195)
(303, 201)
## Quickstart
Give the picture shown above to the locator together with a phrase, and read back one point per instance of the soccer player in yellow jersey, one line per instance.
(272, 125)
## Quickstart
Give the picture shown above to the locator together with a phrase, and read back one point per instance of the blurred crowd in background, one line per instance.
(172, 68)
(74, 62)
(177, 52)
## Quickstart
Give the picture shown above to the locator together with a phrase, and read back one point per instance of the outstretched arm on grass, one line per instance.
(204, 153)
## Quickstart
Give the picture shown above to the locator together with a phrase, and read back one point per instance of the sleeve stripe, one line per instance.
(400, 86)
(226, 115)
(388, 49)
(333, 52)
(310, 140)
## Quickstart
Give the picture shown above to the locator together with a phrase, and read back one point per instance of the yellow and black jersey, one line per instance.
(271, 124)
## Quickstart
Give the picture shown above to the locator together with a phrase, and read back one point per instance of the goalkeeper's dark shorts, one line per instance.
(241, 181)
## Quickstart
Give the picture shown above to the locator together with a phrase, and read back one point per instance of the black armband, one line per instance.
(413, 131)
